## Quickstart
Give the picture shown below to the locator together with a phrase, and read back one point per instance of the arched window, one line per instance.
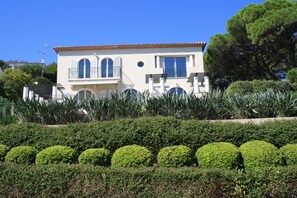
(106, 68)
(178, 91)
(84, 95)
(131, 93)
(84, 68)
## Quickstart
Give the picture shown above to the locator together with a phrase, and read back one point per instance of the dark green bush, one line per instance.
(292, 75)
(90, 181)
(153, 132)
(174, 156)
(132, 156)
(21, 155)
(218, 155)
(56, 155)
(95, 156)
(256, 86)
(3, 151)
(260, 154)
(289, 153)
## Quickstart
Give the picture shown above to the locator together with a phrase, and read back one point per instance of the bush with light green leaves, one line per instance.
(95, 156)
(3, 151)
(132, 156)
(260, 154)
(174, 156)
(21, 155)
(56, 155)
(289, 153)
(218, 155)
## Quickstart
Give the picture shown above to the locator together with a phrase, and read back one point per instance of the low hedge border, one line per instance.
(90, 181)
(152, 132)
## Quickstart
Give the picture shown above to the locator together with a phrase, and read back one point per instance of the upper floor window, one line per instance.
(106, 68)
(175, 66)
(84, 68)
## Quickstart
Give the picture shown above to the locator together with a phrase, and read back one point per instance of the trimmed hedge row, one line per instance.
(224, 155)
(90, 181)
(153, 133)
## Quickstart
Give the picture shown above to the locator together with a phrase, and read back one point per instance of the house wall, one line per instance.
(132, 75)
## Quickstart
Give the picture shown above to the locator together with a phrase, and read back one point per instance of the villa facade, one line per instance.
(98, 71)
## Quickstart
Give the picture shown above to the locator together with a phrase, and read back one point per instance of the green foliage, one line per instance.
(132, 156)
(13, 82)
(256, 86)
(153, 132)
(259, 44)
(34, 70)
(42, 80)
(53, 112)
(21, 155)
(218, 155)
(292, 75)
(3, 151)
(3, 65)
(289, 153)
(56, 155)
(50, 72)
(91, 181)
(174, 156)
(95, 156)
(260, 154)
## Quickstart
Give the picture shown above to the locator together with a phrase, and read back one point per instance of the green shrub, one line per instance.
(132, 156)
(56, 155)
(21, 155)
(95, 156)
(289, 153)
(174, 156)
(239, 87)
(3, 151)
(218, 155)
(260, 154)
(292, 75)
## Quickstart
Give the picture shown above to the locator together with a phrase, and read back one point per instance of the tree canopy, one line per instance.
(261, 42)
(13, 81)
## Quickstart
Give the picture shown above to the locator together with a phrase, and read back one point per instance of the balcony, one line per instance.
(94, 75)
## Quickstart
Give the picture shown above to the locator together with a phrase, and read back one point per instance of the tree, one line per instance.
(3, 65)
(50, 72)
(13, 81)
(34, 70)
(260, 43)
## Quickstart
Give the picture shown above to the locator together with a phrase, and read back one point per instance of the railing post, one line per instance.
(206, 84)
(162, 85)
(196, 85)
(151, 85)
(25, 93)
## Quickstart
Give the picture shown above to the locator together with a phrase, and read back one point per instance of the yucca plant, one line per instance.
(285, 104)
(240, 106)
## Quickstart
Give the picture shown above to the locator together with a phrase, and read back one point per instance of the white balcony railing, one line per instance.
(94, 73)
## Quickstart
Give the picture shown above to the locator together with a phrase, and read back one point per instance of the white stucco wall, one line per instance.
(132, 75)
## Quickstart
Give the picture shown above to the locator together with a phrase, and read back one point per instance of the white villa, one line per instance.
(98, 71)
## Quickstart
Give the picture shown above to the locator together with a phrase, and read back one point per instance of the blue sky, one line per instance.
(32, 25)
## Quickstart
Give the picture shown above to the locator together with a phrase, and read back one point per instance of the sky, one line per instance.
(31, 28)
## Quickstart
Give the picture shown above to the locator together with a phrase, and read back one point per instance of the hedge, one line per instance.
(91, 181)
(3, 151)
(260, 154)
(255, 86)
(153, 133)
(132, 156)
(174, 156)
(218, 155)
(21, 155)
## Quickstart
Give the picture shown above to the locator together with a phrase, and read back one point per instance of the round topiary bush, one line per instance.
(289, 152)
(21, 155)
(260, 154)
(132, 156)
(218, 155)
(95, 156)
(3, 151)
(174, 156)
(56, 155)
(292, 75)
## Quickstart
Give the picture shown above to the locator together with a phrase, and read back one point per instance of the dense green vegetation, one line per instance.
(90, 181)
(174, 156)
(56, 154)
(153, 132)
(95, 156)
(21, 155)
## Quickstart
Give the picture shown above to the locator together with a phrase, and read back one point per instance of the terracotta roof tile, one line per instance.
(131, 46)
